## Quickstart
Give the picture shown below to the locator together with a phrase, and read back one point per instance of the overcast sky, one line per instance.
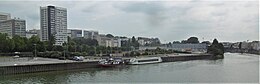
(226, 20)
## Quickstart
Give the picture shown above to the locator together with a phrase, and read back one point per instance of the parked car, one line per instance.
(78, 58)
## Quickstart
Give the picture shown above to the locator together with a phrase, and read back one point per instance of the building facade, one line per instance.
(143, 41)
(33, 32)
(76, 33)
(13, 27)
(201, 47)
(53, 23)
(4, 16)
(255, 45)
(91, 34)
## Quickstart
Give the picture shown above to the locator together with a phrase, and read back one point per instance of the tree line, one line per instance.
(75, 46)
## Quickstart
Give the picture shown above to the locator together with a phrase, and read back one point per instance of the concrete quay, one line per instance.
(23, 65)
(185, 57)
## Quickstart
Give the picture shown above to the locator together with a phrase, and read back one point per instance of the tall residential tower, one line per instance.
(53, 24)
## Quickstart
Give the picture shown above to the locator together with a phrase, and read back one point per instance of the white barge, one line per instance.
(145, 60)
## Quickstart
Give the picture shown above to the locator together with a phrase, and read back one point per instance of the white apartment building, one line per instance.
(117, 42)
(13, 27)
(53, 22)
(4, 16)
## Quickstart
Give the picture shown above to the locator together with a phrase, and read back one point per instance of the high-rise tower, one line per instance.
(53, 22)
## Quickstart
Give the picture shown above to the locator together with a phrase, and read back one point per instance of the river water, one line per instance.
(234, 68)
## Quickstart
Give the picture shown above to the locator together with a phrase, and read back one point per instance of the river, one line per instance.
(234, 68)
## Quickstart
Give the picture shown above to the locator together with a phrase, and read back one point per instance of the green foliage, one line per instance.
(6, 44)
(134, 43)
(193, 40)
(132, 53)
(175, 42)
(83, 41)
(217, 49)
(206, 42)
(184, 41)
(215, 42)
(109, 36)
(20, 44)
(240, 45)
(81, 46)
(145, 53)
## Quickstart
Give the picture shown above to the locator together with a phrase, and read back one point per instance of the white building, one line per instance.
(13, 27)
(33, 32)
(117, 43)
(53, 21)
(143, 41)
(4, 16)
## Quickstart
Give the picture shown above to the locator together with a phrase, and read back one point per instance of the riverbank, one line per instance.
(22, 65)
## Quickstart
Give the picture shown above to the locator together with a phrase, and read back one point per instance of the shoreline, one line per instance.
(44, 66)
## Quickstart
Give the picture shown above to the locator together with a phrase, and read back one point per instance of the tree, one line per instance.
(133, 39)
(184, 41)
(134, 42)
(33, 40)
(50, 43)
(215, 42)
(169, 44)
(20, 43)
(240, 45)
(193, 40)
(83, 41)
(175, 42)
(206, 42)
(6, 44)
(109, 36)
(217, 49)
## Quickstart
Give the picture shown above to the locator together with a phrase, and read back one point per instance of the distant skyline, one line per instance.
(174, 20)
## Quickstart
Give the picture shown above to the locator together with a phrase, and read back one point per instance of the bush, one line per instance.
(137, 54)
(126, 54)
(145, 53)
(132, 53)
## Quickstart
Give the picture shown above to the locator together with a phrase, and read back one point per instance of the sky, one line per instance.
(171, 20)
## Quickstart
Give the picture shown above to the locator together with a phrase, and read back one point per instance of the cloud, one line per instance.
(153, 11)
(168, 20)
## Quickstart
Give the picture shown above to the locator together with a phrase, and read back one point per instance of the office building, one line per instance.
(13, 27)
